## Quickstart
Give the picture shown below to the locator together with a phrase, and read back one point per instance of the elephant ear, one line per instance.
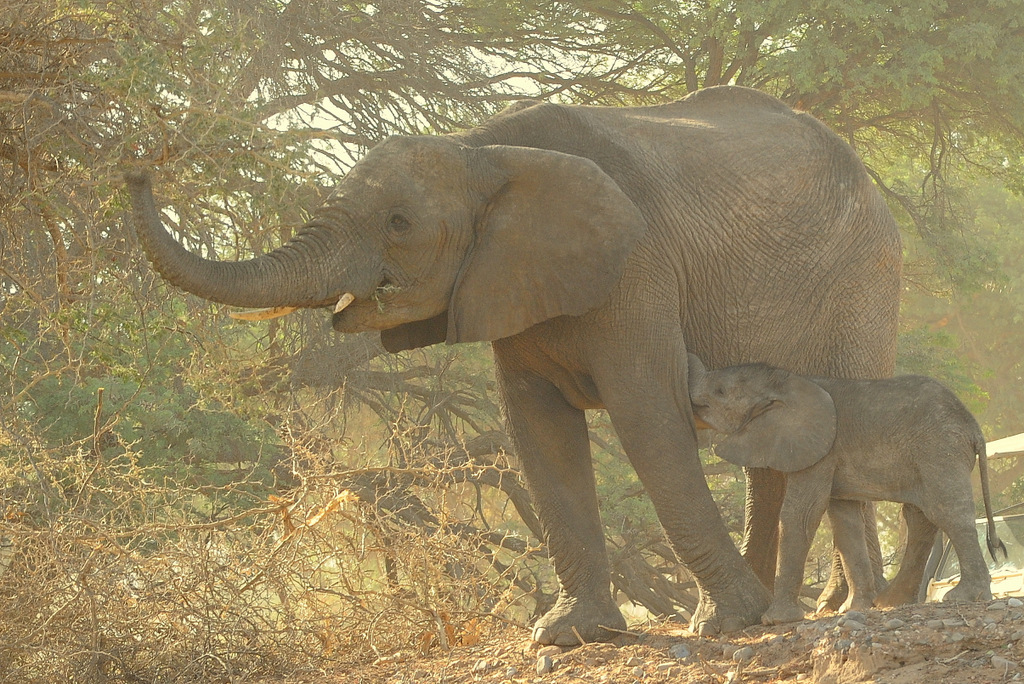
(552, 240)
(789, 428)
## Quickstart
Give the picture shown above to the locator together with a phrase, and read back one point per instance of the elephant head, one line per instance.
(428, 240)
(770, 418)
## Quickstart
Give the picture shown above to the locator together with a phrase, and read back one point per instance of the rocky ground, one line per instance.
(931, 643)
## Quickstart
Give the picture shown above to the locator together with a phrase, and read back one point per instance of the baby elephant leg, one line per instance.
(848, 530)
(957, 521)
(920, 538)
(806, 498)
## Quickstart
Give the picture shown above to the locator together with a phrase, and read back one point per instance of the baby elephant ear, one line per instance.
(552, 239)
(791, 429)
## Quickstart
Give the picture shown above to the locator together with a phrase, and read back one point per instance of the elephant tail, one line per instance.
(992, 539)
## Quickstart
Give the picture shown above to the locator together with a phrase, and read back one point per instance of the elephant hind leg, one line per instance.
(957, 521)
(836, 588)
(905, 586)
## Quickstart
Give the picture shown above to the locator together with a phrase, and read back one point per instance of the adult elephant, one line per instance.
(595, 246)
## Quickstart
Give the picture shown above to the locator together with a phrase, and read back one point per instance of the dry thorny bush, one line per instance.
(110, 573)
(310, 555)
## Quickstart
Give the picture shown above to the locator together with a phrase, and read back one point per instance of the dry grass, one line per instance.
(107, 574)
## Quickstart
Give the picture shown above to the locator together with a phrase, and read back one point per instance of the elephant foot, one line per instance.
(895, 595)
(781, 614)
(832, 596)
(572, 621)
(857, 602)
(967, 592)
(718, 617)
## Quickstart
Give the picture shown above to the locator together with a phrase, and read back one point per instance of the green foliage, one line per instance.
(968, 333)
(936, 353)
(192, 440)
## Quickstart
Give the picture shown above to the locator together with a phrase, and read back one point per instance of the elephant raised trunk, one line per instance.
(300, 273)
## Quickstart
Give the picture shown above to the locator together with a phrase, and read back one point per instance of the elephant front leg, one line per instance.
(765, 491)
(807, 496)
(550, 438)
(662, 448)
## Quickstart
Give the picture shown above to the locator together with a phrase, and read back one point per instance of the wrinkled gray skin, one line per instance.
(906, 439)
(594, 246)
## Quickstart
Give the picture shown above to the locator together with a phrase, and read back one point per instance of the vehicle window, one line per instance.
(1010, 530)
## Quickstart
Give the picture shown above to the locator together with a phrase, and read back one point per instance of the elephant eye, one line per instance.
(398, 223)
(764, 406)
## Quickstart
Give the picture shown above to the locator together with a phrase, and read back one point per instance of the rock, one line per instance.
(637, 672)
(1014, 602)
(729, 649)
(679, 651)
(743, 655)
(954, 622)
(854, 615)
(1002, 663)
(934, 624)
(544, 664)
(997, 605)
(549, 651)
(894, 623)
(634, 661)
(818, 626)
(853, 626)
(844, 645)
(511, 671)
(481, 665)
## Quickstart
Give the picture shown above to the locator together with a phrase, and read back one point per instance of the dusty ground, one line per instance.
(931, 643)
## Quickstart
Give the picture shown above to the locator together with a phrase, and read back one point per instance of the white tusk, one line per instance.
(345, 300)
(262, 314)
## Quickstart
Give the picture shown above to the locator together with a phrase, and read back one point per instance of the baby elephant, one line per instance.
(906, 439)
